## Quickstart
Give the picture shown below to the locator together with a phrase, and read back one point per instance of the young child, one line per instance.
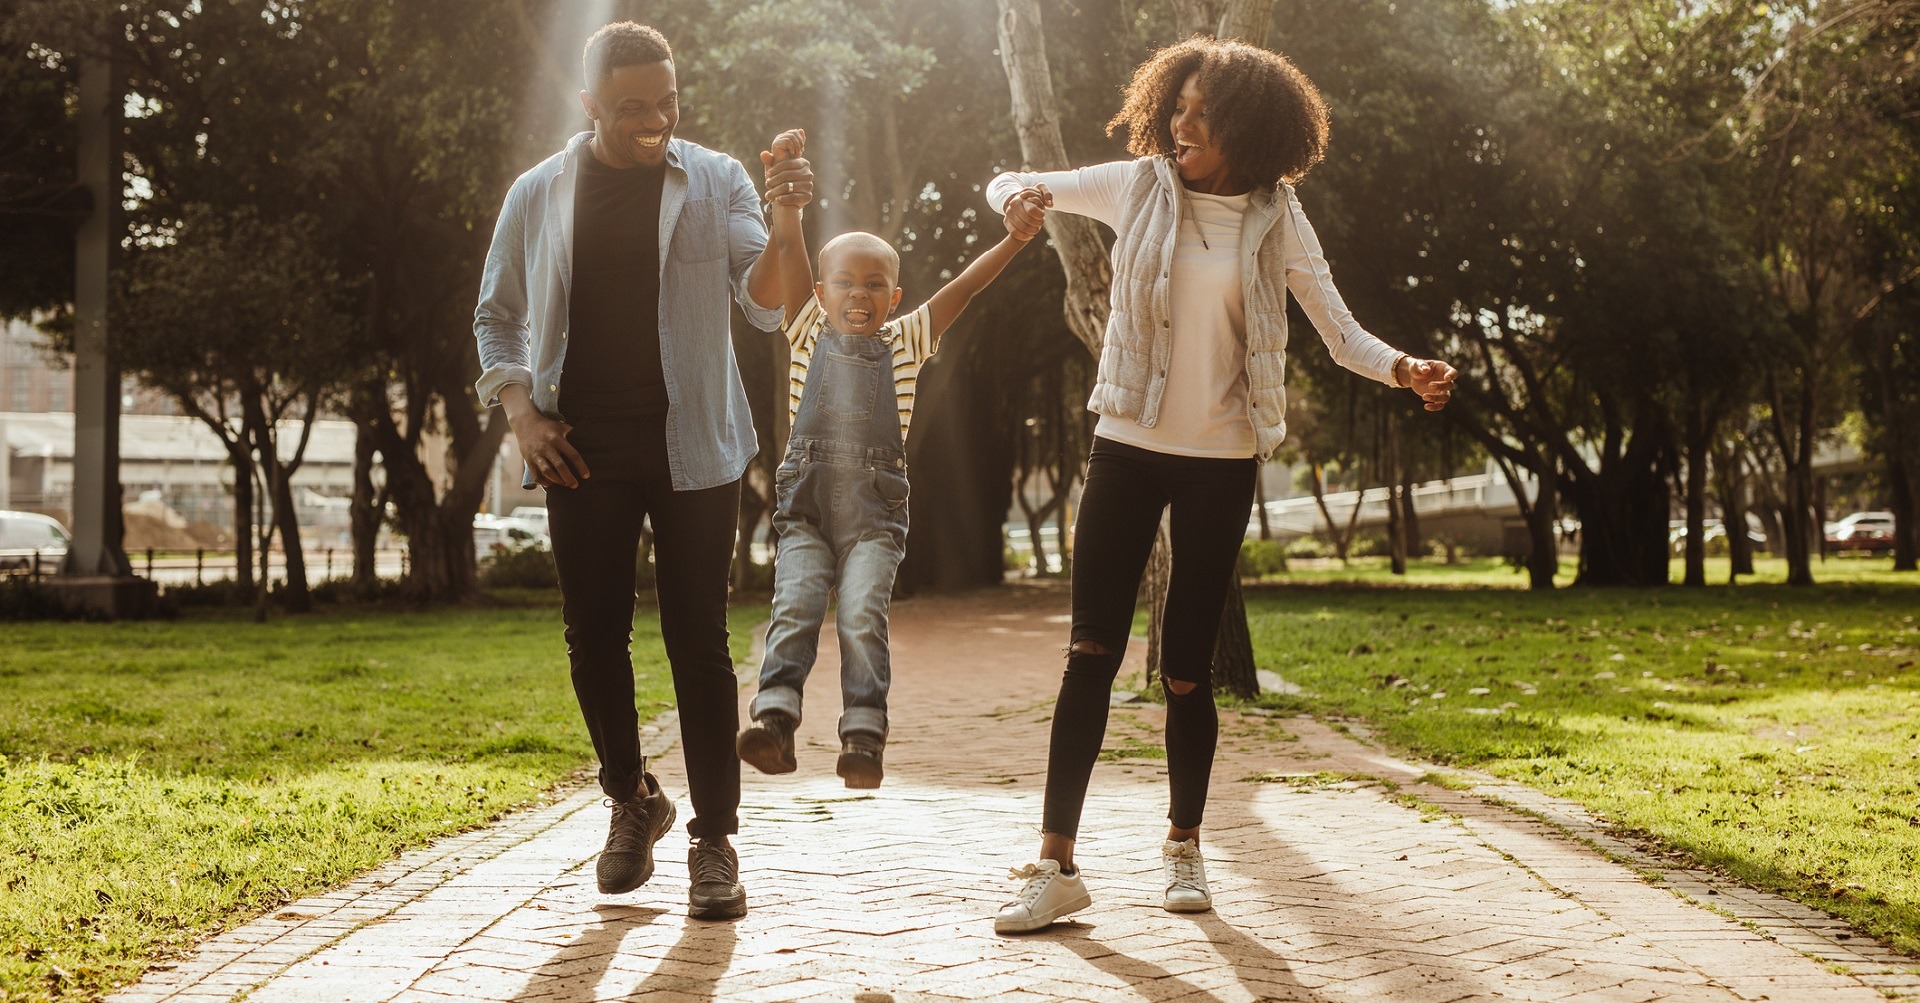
(840, 515)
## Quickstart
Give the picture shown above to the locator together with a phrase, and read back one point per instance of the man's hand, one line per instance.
(1430, 378)
(543, 441)
(1026, 212)
(789, 176)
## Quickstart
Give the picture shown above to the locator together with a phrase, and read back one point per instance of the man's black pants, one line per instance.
(596, 541)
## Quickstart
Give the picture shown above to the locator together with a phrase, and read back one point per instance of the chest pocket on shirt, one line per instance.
(700, 233)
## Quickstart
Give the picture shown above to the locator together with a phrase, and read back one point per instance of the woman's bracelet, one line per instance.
(1395, 371)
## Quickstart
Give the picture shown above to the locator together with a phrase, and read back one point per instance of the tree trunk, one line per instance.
(1159, 573)
(1797, 524)
(1234, 670)
(1730, 485)
(364, 511)
(1696, 499)
(242, 459)
(440, 529)
(1036, 116)
(1396, 500)
(1623, 524)
(296, 596)
(1543, 523)
(1410, 515)
(1260, 501)
(440, 553)
(1906, 512)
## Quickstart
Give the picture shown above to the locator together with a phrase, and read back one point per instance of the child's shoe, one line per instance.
(767, 745)
(860, 762)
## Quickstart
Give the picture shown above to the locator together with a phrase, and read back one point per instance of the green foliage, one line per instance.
(1260, 558)
(162, 780)
(520, 568)
(1761, 729)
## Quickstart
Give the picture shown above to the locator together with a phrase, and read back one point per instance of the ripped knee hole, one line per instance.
(1179, 687)
(1085, 647)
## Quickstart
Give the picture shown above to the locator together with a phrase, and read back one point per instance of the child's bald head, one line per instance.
(860, 244)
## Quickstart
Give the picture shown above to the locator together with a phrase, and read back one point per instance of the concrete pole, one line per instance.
(97, 549)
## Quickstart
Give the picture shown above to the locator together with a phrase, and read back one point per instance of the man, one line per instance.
(603, 332)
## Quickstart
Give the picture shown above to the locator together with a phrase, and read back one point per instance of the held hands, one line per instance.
(1430, 378)
(1026, 212)
(789, 176)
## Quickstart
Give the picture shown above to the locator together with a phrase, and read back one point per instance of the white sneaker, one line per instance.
(1046, 896)
(1186, 877)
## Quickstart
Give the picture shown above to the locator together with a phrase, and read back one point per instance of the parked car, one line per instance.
(25, 535)
(492, 534)
(1713, 532)
(535, 514)
(1871, 532)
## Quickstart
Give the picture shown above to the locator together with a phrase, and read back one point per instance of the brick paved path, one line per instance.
(1330, 886)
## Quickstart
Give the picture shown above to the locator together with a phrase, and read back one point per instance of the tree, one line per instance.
(231, 318)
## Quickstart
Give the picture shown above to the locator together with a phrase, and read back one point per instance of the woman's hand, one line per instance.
(1430, 378)
(789, 177)
(1026, 212)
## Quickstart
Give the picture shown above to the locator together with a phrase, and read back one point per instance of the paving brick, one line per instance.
(1328, 894)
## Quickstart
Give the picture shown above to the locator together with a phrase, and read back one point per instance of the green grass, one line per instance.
(1767, 731)
(163, 780)
(1493, 573)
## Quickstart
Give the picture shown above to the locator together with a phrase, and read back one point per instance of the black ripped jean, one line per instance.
(596, 541)
(1127, 489)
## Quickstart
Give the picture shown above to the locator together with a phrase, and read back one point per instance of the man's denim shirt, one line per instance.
(711, 232)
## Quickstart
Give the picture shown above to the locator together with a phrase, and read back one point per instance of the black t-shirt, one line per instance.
(613, 338)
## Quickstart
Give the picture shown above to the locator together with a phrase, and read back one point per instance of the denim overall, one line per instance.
(840, 519)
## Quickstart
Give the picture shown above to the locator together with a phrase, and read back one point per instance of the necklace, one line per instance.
(1195, 216)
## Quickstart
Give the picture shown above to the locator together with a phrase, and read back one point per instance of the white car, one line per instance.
(24, 535)
(1867, 531)
(535, 514)
(492, 534)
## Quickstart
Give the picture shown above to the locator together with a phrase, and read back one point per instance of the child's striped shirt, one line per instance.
(910, 337)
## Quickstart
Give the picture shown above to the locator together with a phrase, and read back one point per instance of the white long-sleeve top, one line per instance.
(1205, 409)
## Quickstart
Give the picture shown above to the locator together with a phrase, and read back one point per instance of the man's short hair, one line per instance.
(623, 43)
(860, 240)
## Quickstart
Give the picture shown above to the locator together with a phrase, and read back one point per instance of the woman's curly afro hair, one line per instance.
(1264, 113)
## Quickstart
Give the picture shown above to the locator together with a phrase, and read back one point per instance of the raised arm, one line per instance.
(1311, 282)
(789, 237)
(789, 182)
(946, 305)
(1098, 192)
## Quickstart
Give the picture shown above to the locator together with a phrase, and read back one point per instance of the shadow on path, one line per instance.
(575, 971)
(1257, 969)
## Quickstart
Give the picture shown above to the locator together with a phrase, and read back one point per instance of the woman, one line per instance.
(1190, 395)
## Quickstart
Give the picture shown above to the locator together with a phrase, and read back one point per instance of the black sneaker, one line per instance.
(714, 871)
(638, 822)
(767, 745)
(859, 762)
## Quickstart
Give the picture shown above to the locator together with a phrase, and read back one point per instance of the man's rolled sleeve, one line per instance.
(500, 320)
(746, 239)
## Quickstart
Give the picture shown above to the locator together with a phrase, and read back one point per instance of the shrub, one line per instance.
(1370, 545)
(21, 599)
(1307, 548)
(1260, 558)
(221, 592)
(525, 568)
